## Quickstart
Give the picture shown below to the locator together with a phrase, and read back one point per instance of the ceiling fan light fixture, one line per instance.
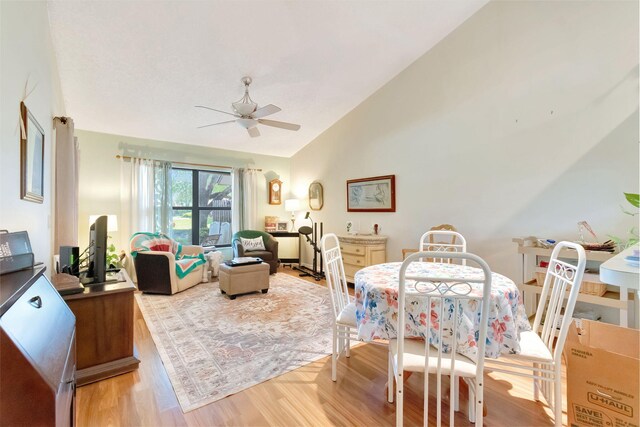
(247, 123)
(244, 108)
(248, 115)
(245, 105)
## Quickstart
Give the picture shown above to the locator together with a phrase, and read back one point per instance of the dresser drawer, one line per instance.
(347, 248)
(43, 326)
(353, 260)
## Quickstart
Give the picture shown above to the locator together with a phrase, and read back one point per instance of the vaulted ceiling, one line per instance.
(138, 68)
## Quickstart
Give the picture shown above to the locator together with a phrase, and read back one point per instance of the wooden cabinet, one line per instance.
(104, 315)
(38, 354)
(531, 257)
(361, 251)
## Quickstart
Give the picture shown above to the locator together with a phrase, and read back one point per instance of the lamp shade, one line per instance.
(291, 205)
(112, 221)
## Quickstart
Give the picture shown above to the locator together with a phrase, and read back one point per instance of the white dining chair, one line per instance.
(427, 355)
(543, 361)
(344, 311)
(432, 241)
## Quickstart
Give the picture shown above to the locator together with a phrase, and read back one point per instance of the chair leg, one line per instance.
(557, 397)
(390, 379)
(471, 404)
(455, 383)
(399, 399)
(348, 346)
(479, 402)
(536, 385)
(334, 355)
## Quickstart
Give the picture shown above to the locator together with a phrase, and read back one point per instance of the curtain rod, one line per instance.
(118, 156)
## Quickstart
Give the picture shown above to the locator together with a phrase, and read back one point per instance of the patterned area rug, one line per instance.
(212, 346)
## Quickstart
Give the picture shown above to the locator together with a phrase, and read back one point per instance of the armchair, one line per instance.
(270, 255)
(164, 266)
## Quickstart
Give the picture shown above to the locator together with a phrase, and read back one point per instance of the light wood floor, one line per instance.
(305, 396)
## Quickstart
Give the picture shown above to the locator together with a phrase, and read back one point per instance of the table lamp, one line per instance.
(292, 205)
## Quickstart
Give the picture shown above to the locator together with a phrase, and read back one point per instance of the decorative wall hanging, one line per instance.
(316, 196)
(275, 192)
(375, 194)
(31, 157)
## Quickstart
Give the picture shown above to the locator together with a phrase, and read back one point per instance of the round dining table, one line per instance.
(376, 300)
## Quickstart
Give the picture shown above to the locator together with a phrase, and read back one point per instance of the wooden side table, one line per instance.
(104, 329)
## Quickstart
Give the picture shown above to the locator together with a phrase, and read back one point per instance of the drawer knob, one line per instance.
(36, 301)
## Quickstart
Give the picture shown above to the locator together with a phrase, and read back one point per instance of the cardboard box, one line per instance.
(603, 375)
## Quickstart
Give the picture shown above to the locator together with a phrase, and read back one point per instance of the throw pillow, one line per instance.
(253, 244)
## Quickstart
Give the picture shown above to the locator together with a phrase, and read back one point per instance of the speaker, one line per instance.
(70, 260)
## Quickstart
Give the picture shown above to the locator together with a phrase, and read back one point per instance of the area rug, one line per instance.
(212, 346)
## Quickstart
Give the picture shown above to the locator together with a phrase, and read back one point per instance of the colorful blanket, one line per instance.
(144, 242)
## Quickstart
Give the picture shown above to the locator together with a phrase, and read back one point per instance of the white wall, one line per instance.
(100, 173)
(27, 58)
(521, 122)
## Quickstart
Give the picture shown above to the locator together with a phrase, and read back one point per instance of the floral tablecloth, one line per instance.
(376, 289)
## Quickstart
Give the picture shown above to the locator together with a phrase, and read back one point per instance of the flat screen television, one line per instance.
(97, 258)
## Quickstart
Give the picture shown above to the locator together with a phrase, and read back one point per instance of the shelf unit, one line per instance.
(531, 255)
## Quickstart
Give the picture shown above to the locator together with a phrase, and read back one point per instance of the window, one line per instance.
(201, 207)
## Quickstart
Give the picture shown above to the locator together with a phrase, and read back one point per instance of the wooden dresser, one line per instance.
(361, 251)
(38, 355)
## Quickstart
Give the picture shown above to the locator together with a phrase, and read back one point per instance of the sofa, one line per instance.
(269, 255)
(164, 266)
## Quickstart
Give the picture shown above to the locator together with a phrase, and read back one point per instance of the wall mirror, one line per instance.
(31, 157)
(316, 196)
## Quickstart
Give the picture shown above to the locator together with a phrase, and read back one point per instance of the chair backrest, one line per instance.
(251, 234)
(561, 275)
(440, 301)
(445, 241)
(446, 227)
(334, 273)
(146, 241)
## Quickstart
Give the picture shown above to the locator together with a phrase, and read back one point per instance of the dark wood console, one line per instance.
(104, 317)
(38, 355)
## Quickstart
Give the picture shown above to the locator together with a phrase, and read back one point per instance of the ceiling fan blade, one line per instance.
(265, 111)
(214, 124)
(281, 125)
(219, 111)
(253, 132)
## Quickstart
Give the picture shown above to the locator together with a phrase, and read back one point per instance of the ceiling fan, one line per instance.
(248, 115)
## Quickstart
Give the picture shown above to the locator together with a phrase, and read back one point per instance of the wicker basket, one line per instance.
(590, 288)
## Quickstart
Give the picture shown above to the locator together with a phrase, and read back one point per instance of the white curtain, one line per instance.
(136, 197)
(235, 200)
(245, 199)
(66, 184)
(250, 199)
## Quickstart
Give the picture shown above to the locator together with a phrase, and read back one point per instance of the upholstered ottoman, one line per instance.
(242, 279)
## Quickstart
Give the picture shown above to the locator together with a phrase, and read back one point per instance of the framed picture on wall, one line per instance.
(375, 194)
(31, 157)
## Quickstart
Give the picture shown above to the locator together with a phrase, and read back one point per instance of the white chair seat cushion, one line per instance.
(348, 315)
(531, 348)
(414, 359)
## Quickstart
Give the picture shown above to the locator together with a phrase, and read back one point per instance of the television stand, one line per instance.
(112, 276)
(104, 329)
